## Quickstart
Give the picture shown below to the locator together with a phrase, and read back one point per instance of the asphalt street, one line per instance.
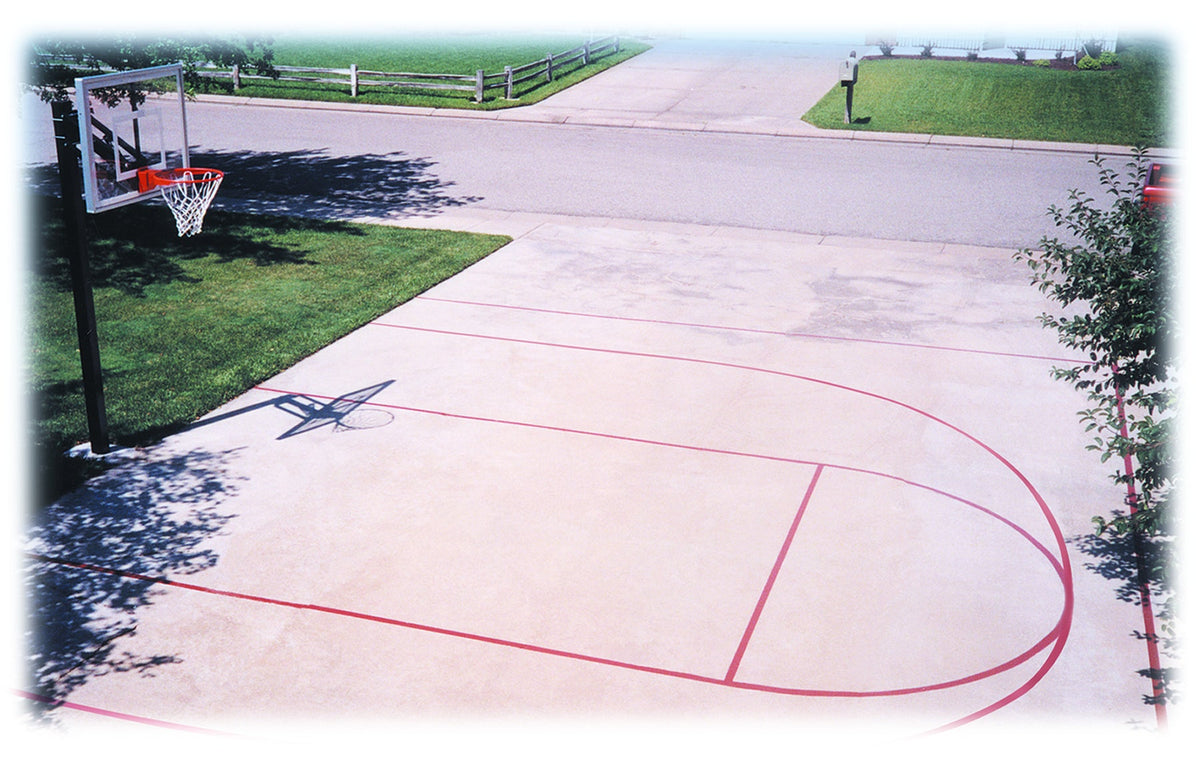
(675, 149)
(969, 195)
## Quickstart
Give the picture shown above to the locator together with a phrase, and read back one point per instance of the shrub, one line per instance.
(1019, 53)
(1108, 59)
(1088, 63)
(927, 50)
(886, 49)
(972, 55)
(1041, 63)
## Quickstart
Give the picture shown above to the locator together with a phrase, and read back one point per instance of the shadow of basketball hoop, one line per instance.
(345, 413)
(349, 412)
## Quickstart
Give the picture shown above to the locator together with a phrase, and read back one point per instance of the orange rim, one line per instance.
(151, 178)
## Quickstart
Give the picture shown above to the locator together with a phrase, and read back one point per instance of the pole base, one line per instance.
(114, 457)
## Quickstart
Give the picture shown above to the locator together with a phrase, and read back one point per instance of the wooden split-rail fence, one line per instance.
(511, 79)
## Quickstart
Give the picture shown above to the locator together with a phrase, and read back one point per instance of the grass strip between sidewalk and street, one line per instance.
(185, 324)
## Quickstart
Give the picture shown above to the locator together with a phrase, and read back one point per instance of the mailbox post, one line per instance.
(848, 73)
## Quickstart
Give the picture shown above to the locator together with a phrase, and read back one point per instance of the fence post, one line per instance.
(353, 80)
(237, 78)
(587, 53)
(549, 67)
(508, 82)
(478, 85)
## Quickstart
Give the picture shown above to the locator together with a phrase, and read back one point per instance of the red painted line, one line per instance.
(1025, 688)
(118, 715)
(1057, 636)
(1144, 599)
(1043, 507)
(1050, 557)
(1062, 564)
(1057, 633)
(762, 598)
(541, 426)
(749, 330)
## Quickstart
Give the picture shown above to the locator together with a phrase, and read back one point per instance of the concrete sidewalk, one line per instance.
(691, 85)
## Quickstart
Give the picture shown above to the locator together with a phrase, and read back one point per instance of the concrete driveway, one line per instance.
(702, 85)
(627, 469)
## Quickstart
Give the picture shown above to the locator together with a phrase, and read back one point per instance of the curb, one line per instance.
(517, 225)
(796, 129)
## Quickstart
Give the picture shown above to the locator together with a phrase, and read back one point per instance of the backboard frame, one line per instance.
(112, 183)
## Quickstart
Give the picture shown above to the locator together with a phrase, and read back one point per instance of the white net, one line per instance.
(189, 192)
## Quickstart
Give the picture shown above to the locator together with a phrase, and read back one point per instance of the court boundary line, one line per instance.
(55, 702)
(164, 580)
(1157, 682)
(747, 330)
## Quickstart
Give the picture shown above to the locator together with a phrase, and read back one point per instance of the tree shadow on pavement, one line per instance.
(1115, 557)
(312, 183)
(153, 517)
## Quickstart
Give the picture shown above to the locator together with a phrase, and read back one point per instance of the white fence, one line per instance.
(478, 85)
(1062, 44)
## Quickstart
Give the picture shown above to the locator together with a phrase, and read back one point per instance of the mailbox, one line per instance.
(848, 71)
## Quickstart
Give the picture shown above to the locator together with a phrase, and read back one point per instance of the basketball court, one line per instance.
(628, 469)
(642, 471)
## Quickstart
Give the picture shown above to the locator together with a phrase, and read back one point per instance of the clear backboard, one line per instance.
(130, 122)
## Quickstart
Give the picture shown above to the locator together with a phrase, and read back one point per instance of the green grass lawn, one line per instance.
(1124, 106)
(185, 324)
(442, 54)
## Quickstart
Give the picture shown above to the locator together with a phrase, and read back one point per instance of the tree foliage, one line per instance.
(1114, 280)
(54, 64)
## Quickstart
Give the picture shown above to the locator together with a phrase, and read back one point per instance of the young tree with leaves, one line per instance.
(1115, 282)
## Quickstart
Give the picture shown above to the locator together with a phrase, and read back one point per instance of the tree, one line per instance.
(1115, 283)
(56, 63)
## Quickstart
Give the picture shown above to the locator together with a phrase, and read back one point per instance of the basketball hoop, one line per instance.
(187, 191)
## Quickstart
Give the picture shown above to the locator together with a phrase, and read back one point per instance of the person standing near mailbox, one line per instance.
(848, 72)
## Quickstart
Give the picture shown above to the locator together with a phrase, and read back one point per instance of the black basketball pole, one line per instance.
(66, 137)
